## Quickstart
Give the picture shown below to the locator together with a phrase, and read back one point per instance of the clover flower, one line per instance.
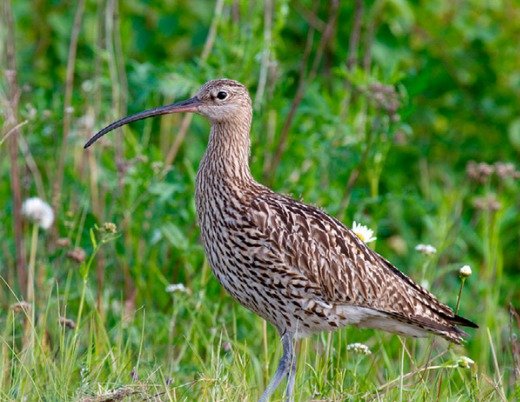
(426, 249)
(505, 170)
(77, 255)
(177, 287)
(108, 227)
(38, 211)
(360, 348)
(479, 172)
(488, 202)
(365, 234)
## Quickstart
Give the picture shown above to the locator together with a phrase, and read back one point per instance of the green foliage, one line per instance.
(384, 139)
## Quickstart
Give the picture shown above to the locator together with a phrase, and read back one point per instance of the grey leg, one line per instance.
(290, 380)
(286, 367)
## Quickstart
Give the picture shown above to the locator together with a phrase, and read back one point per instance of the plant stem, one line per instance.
(266, 350)
(304, 80)
(402, 373)
(67, 103)
(186, 121)
(29, 325)
(460, 293)
(32, 263)
(11, 124)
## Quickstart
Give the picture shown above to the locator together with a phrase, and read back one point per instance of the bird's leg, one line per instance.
(290, 378)
(286, 366)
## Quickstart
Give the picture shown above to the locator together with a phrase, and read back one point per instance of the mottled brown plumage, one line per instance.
(291, 263)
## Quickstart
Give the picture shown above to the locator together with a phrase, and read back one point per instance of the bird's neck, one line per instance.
(228, 150)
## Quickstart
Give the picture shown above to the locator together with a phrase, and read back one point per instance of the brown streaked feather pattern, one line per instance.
(344, 273)
(291, 263)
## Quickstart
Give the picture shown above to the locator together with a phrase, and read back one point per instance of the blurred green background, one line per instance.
(403, 116)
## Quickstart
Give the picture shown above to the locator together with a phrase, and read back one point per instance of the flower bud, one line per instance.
(465, 271)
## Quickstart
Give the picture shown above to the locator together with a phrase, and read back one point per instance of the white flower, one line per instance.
(177, 287)
(364, 233)
(426, 249)
(87, 86)
(38, 211)
(86, 121)
(465, 271)
(465, 362)
(360, 348)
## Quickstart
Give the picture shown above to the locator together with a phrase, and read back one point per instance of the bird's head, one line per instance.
(218, 100)
(223, 100)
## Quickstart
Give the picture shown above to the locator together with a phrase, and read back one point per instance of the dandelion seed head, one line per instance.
(465, 271)
(38, 211)
(426, 249)
(365, 234)
(360, 348)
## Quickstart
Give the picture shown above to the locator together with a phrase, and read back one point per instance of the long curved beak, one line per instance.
(189, 105)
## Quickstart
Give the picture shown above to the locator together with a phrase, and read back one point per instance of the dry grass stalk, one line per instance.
(12, 125)
(67, 103)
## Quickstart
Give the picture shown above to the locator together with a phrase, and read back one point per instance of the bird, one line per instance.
(294, 265)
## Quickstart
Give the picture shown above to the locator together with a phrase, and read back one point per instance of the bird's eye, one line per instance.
(222, 95)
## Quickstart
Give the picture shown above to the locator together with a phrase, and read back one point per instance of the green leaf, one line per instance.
(93, 238)
(174, 236)
(514, 133)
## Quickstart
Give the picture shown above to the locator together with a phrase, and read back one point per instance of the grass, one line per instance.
(202, 353)
(374, 122)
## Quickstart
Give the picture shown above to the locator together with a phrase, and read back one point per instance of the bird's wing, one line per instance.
(329, 260)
